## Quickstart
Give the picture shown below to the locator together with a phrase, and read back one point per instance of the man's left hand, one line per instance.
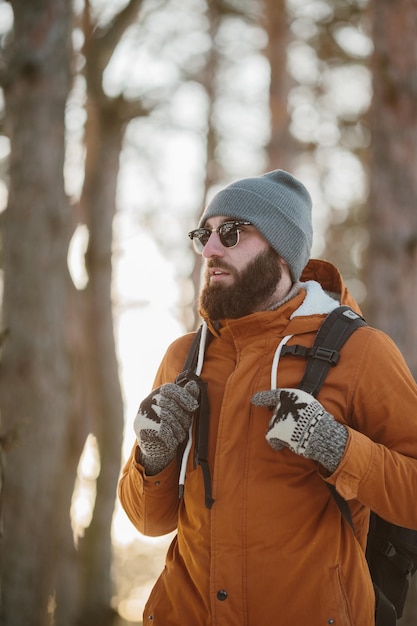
(300, 423)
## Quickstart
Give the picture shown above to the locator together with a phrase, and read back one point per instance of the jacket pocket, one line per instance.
(343, 616)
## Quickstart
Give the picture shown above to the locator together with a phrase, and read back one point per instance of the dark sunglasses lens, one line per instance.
(200, 237)
(229, 235)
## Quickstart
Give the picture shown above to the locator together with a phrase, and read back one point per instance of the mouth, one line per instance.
(217, 274)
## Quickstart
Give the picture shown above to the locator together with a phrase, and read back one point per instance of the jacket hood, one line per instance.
(331, 281)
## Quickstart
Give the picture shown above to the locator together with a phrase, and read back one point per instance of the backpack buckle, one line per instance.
(388, 550)
(325, 354)
(184, 377)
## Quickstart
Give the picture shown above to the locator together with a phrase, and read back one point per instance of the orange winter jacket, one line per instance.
(274, 550)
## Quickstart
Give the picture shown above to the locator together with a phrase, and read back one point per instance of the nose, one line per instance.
(213, 247)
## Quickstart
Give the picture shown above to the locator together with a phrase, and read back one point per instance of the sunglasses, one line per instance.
(228, 234)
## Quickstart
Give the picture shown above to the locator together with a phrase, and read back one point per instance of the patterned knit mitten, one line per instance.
(302, 424)
(162, 423)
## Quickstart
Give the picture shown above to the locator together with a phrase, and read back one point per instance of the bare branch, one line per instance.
(105, 40)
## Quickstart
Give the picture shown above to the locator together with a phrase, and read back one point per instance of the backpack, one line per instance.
(391, 550)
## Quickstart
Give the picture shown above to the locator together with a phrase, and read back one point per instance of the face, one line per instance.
(241, 280)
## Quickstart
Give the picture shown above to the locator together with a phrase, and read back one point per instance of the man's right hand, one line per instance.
(162, 423)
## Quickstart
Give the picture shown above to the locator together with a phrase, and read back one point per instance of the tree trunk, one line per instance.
(36, 372)
(392, 256)
(85, 585)
(282, 146)
(392, 260)
(104, 138)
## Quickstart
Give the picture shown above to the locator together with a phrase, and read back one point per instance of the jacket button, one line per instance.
(221, 595)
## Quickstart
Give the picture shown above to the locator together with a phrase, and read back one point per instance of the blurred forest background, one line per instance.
(118, 120)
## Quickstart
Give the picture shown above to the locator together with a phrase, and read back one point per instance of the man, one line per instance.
(260, 539)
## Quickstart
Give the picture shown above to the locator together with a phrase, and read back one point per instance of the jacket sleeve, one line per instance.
(379, 467)
(151, 502)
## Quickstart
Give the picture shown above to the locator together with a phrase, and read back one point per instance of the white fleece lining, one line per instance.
(316, 301)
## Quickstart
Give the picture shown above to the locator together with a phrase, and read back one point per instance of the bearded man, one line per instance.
(259, 537)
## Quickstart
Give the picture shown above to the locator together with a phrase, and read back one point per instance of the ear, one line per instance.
(284, 265)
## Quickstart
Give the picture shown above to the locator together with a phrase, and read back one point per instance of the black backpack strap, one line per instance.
(324, 354)
(332, 334)
(385, 613)
(190, 361)
(203, 414)
(201, 447)
(343, 506)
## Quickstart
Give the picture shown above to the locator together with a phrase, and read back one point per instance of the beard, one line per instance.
(251, 291)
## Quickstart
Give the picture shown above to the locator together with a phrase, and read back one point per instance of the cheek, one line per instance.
(248, 253)
(239, 265)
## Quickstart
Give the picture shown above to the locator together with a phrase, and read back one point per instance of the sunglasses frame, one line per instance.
(232, 227)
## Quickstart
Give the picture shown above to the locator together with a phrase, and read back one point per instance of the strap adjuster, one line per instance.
(315, 352)
(325, 354)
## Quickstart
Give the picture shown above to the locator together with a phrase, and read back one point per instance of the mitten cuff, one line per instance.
(152, 465)
(327, 443)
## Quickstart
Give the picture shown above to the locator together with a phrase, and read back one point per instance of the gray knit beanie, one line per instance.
(279, 206)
